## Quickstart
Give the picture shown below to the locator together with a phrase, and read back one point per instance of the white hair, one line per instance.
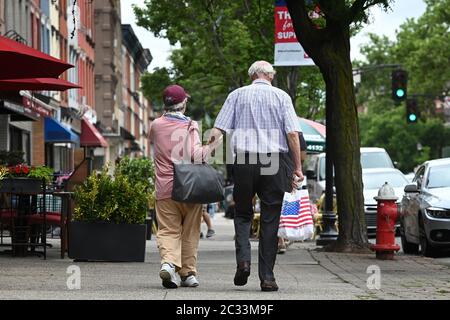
(176, 107)
(261, 68)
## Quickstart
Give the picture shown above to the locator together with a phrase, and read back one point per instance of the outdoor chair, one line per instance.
(55, 215)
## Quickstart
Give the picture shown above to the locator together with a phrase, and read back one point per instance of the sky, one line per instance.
(382, 23)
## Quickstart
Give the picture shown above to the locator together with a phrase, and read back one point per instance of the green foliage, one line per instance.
(407, 144)
(111, 199)
(138, 170)
(218, 41)
(421, 48)
(41, 173)
(153, 85)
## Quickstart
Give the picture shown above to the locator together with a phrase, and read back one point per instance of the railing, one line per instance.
(12, 34)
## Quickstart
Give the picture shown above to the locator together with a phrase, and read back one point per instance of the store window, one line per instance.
(19, 140)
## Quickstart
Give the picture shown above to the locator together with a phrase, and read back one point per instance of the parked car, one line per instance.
(410, 176)
(315, 168)
(425, 209)
(373, 179)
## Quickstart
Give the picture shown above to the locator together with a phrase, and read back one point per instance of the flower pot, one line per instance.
(21, 185)
(103, 241)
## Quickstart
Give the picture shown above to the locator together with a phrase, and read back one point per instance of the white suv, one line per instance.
(315, 168)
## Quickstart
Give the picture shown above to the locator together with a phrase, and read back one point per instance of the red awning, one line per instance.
(49, 84)
(90, 137)
(19, 61)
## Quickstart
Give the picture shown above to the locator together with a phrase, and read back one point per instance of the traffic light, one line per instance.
(399, 85)
(412, 111)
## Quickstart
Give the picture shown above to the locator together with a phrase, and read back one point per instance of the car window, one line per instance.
(377, 179)
(439, 177)
(376, 160)
(419, 175)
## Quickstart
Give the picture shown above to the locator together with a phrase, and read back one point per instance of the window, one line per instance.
(419, 176)
(439, 177)
(19, 140)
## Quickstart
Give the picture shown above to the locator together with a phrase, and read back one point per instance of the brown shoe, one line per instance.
(268, 285)
(242, 273)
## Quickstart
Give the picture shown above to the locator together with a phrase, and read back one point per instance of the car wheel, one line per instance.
(408, 247)
(426, 248)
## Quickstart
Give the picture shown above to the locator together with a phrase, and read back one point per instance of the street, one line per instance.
(302, 272)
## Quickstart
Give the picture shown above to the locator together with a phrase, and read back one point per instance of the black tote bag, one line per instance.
(196, 183)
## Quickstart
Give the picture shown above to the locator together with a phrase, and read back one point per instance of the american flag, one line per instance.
(296, 214)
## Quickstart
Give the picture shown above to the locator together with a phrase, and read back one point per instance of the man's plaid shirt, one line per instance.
(258, 117)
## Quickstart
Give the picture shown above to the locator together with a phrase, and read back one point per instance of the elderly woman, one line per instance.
(178, 223)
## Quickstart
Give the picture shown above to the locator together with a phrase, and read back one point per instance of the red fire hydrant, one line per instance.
(386, 217)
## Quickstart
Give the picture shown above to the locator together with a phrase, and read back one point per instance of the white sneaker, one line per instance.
(189, 281)
(169, 277)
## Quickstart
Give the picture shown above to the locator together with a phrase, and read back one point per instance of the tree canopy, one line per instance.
(218, 41)
(421, 48)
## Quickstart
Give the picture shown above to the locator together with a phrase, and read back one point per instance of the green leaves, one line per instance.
(218, 41)
(421, 48)
(41, 173)
(123, 198)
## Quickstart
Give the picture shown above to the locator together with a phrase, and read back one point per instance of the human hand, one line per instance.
(297, 179)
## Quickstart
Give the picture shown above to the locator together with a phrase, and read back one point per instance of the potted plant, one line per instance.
(109, 218)
(21, 178)
(142, 170)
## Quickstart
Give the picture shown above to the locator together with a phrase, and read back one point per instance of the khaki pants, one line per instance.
(178, 234)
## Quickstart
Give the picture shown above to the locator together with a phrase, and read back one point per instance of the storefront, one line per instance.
(16, 125)
(60, 145)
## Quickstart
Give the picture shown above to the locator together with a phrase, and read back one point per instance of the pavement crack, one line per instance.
(289, 273)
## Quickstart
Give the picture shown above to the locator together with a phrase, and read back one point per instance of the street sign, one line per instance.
(288, 51)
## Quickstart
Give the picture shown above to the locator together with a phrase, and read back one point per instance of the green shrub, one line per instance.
(110, 199)
(139, 170)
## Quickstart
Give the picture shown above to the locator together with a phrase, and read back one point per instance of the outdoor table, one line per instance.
(23, 200)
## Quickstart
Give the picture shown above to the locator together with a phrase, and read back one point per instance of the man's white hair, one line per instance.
(261, 67)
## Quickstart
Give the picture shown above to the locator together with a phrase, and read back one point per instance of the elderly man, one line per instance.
(261, 122)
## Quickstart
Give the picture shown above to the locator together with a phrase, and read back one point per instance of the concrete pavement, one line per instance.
(301, 273)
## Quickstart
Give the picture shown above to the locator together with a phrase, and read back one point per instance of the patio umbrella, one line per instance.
(20, 61)
(314, 134)
(49, 84)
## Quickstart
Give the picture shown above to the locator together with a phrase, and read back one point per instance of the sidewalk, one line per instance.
(301, 273)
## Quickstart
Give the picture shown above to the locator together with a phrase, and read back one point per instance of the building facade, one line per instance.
(47, 26)
(16, 124)
(108, 71)
(122, 111)
(135, 60)
(2, 17)
(108, 78)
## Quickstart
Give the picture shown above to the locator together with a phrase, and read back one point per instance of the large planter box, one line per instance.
(21, 185)
(100, 241)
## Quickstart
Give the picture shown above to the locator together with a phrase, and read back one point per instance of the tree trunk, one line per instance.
(343, 130)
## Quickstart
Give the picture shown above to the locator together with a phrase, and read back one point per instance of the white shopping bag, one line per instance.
(296, 222)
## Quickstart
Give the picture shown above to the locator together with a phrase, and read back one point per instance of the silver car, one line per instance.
(315, 168)
(425, 210)
(373, 179)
